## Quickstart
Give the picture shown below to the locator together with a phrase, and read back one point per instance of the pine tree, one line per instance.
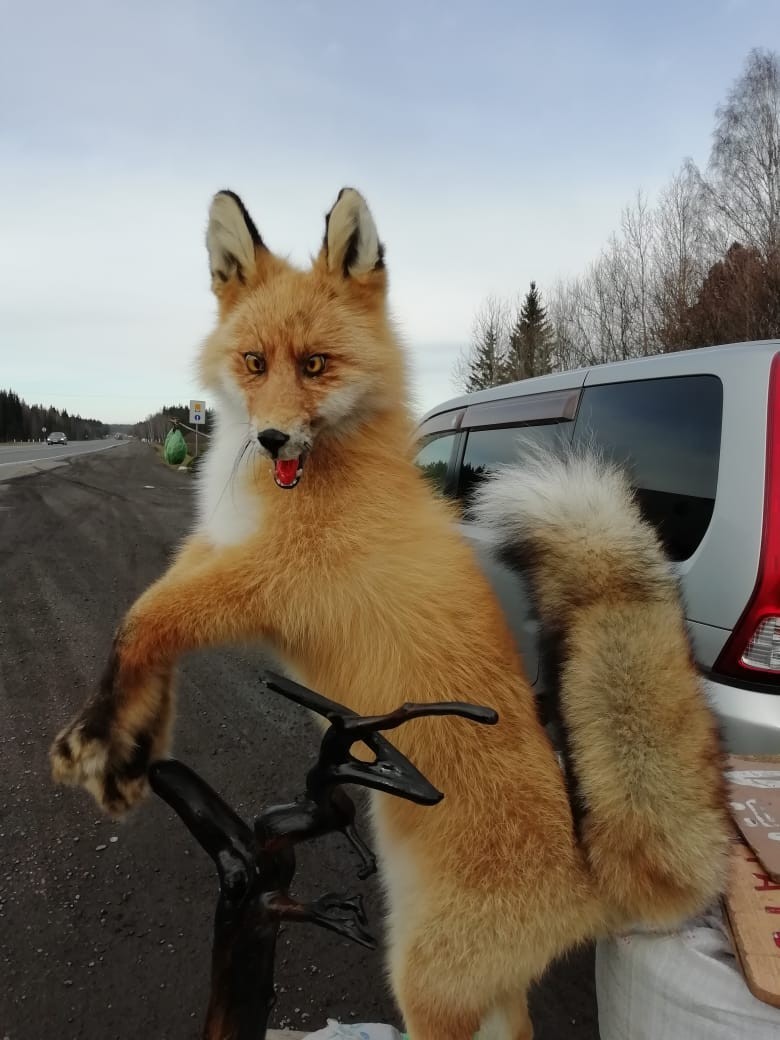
(530, 340)
(481, 364)
(486, 362)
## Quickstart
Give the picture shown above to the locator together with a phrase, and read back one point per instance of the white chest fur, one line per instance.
(228, 511)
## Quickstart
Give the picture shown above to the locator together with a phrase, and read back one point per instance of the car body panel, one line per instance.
(717, 580)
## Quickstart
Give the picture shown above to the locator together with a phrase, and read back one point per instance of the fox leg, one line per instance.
(433, 1004)
(430, 1020)
(445, 976)
(427, 1019)
(208, 597)
(509, 1020)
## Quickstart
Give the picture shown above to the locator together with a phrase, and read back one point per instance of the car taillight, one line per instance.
(763, 650)
(753, 650)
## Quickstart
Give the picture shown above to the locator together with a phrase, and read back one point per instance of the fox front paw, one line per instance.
(112, 766)
(108, 748)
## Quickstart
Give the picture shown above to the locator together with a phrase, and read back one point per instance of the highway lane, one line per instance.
(105, 927)
(17, 460)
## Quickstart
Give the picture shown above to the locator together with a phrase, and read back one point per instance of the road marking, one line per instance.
(64, 455)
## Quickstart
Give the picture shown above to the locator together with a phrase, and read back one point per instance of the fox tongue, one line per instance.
(286, 470)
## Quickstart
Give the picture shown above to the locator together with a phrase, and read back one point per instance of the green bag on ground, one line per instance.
(175, 448)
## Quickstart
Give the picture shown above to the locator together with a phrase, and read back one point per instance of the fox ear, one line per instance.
(351, 245)
(233, 242)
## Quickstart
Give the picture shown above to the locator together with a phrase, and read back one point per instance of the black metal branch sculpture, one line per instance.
(256, 868)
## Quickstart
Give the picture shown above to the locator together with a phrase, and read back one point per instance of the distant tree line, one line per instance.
(155, 427)
(700, 267)
(20, 421)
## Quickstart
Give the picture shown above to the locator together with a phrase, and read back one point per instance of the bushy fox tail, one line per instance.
(642, 749)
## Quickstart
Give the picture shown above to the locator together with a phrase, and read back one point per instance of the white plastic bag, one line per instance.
(683, 985)
(364, 1031)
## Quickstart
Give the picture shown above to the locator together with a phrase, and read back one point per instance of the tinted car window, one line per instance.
(434, 457)
(487, 449)
(667, 432)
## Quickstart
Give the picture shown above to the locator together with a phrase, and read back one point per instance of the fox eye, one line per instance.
(255, 363)
(315, 364)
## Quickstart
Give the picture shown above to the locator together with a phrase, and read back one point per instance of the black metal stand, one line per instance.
(256, 868)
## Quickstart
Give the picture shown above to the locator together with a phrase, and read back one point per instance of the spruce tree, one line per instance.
(486, 361)
(530, 340)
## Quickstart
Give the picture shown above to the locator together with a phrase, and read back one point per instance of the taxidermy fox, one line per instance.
(318, 536)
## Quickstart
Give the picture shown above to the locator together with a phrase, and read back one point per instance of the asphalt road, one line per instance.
(105, 927)
(16, 460)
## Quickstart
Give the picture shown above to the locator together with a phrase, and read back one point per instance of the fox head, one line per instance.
(302, 357)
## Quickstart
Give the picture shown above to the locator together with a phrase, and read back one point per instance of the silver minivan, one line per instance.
(699, 431)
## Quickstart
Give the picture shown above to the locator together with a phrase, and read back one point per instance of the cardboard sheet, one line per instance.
(753, 900)
(755, 805)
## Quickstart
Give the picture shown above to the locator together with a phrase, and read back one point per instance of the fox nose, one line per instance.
(272, 441)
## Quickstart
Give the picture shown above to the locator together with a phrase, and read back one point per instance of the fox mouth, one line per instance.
(287, 472)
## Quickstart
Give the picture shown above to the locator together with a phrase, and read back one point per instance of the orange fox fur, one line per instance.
(359, 580)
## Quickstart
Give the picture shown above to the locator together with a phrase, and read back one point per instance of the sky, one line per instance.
(495, 142)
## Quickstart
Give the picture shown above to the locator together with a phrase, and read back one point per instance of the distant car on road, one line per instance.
(56, 438)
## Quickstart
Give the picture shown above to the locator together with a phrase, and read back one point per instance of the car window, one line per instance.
(667, 432)
(433, 459)
(487, 449)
